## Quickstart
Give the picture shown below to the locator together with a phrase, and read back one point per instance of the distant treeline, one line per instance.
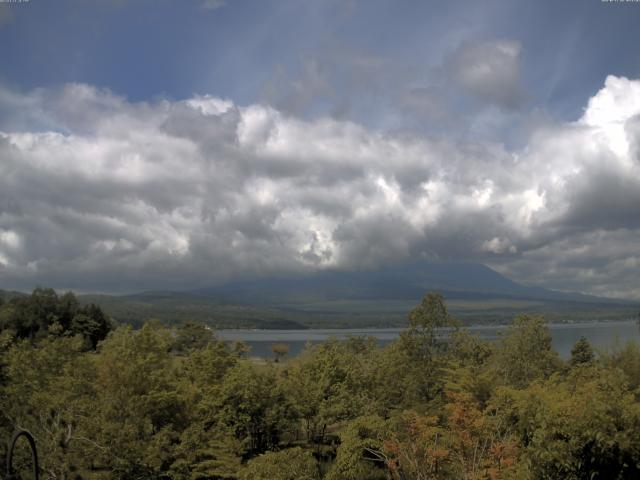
(177, 403)
(175, 308)
(44, 313)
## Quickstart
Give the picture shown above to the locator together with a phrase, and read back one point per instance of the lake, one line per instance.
(602, 335)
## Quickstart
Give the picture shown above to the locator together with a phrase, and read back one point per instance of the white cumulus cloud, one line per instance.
(97, 192)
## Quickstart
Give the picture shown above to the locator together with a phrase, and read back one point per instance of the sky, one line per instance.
(165, 144)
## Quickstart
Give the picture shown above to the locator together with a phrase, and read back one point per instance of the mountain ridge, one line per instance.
(380, 297)
(405, 281)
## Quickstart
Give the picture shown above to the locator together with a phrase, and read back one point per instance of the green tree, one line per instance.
(410, 370)
(205, 368)
(49, 392)
(290, 464)
(67, 307)
(91, 323)
(206, 448)
(625, 358)
(359, 456)
(330, 383)
(206, 451)
(420, 340)
(468, 367)
(43, 313)
(250, 403)
(193, 336)
(582, 353)
(140, 403)
(584, 426)
(30, 317)
(526, 353)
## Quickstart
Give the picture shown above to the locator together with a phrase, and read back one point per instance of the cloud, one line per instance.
(100, 193)
(6, 15)
(424, 101)
(489, 71)
(213, 4)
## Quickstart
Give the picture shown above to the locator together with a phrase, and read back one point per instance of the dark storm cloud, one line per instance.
(599, 262)
(604, 198)
(100, 193)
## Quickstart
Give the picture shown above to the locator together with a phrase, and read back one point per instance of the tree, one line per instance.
(625, 358)
(330, 383)
(43, 313)
(205, 451)
(467, 443)
(49, 392)
(359, 456)
(192, 336)
(291, 464)
(480, 442)
(30, 317)
(581, 426)
(468, 366)
(582, 353)
(206, 448)
(67, 307)
(140, 404)
(280, 350)
(250, 404)
(420, 339)
(526, 353)
(410, 370)
(417, 448)
(205, 368)
(92, 324)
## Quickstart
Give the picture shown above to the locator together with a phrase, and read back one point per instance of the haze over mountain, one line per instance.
(378, 297)
(408, 281)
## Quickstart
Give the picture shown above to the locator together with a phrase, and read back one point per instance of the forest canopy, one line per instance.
(178, 403)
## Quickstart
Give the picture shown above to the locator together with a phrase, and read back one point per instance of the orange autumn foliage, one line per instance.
(469, 443)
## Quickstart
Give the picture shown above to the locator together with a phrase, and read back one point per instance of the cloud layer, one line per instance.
(99, 193)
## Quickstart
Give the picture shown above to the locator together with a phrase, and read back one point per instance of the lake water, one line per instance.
(602, 335)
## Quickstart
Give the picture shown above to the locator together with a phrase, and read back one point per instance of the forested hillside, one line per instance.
(176, 403)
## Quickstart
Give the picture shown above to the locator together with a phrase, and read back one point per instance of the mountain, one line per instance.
(380, 297)
(407, 281)
(474, 292)
(178, 307)
(6, 295)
